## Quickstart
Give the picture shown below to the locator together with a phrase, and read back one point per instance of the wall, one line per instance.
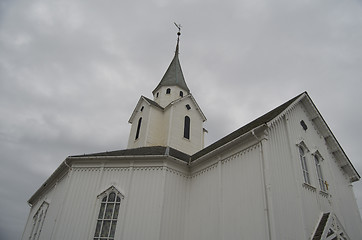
(227, 198)
(164, 99)
(290, 196)
(152, 208)
(176, 132)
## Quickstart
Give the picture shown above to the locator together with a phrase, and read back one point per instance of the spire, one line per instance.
(174, 75)
(178, 37)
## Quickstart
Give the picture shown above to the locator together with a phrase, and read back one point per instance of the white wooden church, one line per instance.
(282, 176)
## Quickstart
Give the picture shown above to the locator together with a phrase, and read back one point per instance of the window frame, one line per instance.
(38, 221)
(317, 161)
(304, 163)
(101, 219)
(138, 128)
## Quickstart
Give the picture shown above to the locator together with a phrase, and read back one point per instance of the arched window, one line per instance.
(303, 161)
(108, 215)
(319, 173)
(187, 127)
(156, 95)
(168, 90)
(38, 221)
(181, 93)
(138, 128)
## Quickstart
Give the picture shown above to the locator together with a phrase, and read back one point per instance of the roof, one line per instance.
(337, 150)
(148, 101)
(248, 127)
(173, 75)
(157, 151)
(152, 102)
(142, 151)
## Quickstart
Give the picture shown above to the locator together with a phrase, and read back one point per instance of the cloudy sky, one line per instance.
(72, 71)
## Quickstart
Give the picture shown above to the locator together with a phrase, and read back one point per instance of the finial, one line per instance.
(178, 35)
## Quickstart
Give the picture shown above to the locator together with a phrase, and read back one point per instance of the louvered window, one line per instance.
(187, 127)
(138, 128)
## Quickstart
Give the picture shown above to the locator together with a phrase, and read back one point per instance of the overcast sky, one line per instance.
(72, 71)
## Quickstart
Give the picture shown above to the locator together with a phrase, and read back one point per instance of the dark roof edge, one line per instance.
(142, 151)
(340, 147)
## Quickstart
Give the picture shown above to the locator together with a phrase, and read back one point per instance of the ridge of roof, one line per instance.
(246, 128)
(173, 75)
(193, 100)
(152, 102)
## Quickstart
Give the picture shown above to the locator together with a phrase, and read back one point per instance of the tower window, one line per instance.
(188, 107)
(142, 108)
(187, 127)
(156, 95)
(181, 93)
(168, 90)
(107, 217)
(138, 128)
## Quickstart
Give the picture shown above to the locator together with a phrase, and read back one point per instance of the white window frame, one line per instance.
(112, 219)
(38, 221)
(302, 150)
(317, 161)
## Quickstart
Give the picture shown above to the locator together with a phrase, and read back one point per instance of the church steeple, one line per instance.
(174, 75)
(173, 119)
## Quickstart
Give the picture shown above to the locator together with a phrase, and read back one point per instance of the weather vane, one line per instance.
(179, 29)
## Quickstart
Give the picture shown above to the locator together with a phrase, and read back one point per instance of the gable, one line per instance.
(274, 115)
(143, 100)
(266, 118)
(193, 101)
(331, 141)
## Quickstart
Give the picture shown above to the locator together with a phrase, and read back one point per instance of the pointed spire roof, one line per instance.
(174, 75)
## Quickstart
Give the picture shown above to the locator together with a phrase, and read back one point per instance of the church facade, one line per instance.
(282, 176)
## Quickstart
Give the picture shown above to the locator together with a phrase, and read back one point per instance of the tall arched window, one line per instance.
(181, 93)
(187, 127)
(38, 221)
(319, 173)
(108, 215)
(168, 90)
(138, 128)
(303, 161)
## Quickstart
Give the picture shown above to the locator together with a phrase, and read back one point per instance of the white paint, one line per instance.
(250, 188)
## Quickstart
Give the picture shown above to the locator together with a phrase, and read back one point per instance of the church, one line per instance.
(282, 176)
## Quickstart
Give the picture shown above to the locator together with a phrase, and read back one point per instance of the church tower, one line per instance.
(173, 118)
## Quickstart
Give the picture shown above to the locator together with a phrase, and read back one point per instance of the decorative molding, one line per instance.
(187, 174)
(111, 188)
(198, 173)
(301, 143)
(309, 187)
(324, 194)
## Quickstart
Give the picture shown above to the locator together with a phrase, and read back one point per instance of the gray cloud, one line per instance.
(72, 71)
